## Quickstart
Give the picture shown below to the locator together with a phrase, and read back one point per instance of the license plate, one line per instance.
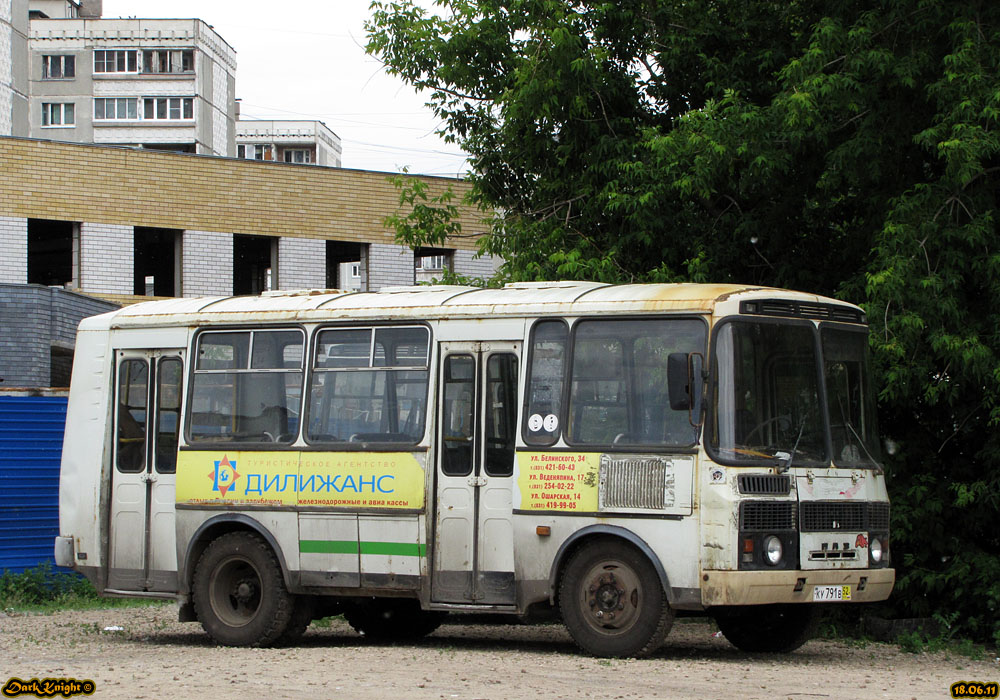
(831, 593)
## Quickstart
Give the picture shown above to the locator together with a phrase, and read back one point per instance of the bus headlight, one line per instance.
(875, 550)
(772, 550)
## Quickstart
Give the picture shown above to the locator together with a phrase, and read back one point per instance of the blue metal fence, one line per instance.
(31, 437)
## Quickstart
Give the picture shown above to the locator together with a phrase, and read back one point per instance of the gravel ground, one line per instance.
(154, 656)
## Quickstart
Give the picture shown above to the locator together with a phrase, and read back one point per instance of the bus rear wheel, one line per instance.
(239, 593)
(612, 602)
(769, 628)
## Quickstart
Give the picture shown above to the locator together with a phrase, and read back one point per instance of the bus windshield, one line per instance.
(767, 406)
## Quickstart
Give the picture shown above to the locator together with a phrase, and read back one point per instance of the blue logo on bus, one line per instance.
(224, 476)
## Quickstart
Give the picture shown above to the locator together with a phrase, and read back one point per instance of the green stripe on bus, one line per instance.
(399, 549)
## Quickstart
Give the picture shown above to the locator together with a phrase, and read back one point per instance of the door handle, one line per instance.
(476, 481)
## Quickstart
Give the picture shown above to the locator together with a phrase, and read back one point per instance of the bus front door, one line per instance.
(148, 391)
(473, 557)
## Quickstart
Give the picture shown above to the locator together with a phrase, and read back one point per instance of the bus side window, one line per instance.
(247, 386)
(133, 390)
(369, 385)
(501, 413)
(543, 401)
(168, 411)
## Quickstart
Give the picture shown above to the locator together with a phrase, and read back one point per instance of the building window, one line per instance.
(58, 67)
(164, 61)
(431, 262)
(252, 151)
(168, 108)
(297, 155)
(58, 114)
(106, 108)
(116, 61)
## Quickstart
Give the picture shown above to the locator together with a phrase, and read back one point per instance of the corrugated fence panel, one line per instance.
(31, 437)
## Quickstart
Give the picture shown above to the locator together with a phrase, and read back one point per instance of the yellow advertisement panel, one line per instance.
(563, 481)
(309, 479)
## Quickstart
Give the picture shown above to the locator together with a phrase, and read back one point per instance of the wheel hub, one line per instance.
(611, 599)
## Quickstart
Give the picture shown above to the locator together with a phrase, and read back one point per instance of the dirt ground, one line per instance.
(154, 656)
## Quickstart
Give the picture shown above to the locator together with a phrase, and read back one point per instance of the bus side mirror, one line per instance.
(679, 381)
(684, 375)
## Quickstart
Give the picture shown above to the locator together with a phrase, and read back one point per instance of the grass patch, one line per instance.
(43, 590)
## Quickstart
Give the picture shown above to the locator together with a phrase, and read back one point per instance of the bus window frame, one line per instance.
(690, 448)
(713, 382)
(187, 410)
(375, 446)
(529, 357)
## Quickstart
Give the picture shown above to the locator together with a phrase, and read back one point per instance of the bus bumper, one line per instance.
(765, 587)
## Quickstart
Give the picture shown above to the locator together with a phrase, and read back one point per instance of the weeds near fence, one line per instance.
(43, 590)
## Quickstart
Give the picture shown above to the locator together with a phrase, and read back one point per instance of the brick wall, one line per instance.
(200, 193)
(38, 330)
(301, 263)
(464, 263)
(207, 262)
(106, 258)
(388, 266)
(13, 249)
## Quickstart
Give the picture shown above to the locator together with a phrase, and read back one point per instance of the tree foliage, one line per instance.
(846, 148)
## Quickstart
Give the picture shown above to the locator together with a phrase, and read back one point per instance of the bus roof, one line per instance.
(442, 301)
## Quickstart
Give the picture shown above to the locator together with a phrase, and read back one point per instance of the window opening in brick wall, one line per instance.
(50, 252)
(254, 264)
(343, 265)
(156, 261)
(430, 263)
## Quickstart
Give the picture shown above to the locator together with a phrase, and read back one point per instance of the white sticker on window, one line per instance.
(535, 422)
(551, 423)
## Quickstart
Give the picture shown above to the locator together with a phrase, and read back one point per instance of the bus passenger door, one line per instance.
(148, 391)
(473, 545)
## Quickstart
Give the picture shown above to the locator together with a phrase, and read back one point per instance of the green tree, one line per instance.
(846, 148)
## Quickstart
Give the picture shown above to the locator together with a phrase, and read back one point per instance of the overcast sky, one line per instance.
(304, 59)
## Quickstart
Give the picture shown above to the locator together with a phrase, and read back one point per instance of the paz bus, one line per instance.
(612, 454)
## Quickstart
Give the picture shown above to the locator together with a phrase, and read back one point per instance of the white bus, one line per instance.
(613, 454)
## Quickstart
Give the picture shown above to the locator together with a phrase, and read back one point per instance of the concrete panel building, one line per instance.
(288, 141)
(156, 83)
(14, 68)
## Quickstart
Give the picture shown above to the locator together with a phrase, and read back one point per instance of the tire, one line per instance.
(239, 593)
(769, 628)
(392, 619)
(612, 601)
(303, 613)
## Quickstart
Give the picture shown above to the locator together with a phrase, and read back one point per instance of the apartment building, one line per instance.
(13, 64)
(288, 141)
(166, 84)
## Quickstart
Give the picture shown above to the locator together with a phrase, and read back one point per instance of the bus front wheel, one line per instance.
(612, 602)
(239, 594)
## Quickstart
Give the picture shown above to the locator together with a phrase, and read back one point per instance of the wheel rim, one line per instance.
(611, 598)
(235, 591)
